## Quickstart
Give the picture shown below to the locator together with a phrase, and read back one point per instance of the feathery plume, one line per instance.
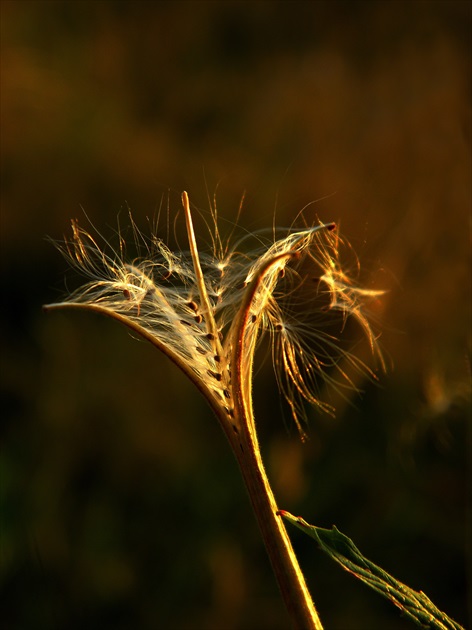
(208, 311)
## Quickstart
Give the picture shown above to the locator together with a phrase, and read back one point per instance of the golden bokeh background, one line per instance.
(121, 504)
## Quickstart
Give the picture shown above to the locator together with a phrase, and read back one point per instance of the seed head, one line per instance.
(208, 311)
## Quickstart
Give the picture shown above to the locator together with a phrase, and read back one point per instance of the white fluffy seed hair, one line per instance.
(294, 287)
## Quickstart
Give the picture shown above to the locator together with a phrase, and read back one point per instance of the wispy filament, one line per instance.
(209, 311)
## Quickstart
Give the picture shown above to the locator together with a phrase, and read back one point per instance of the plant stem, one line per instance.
(284, 562)
(246, 448)
(289, 576)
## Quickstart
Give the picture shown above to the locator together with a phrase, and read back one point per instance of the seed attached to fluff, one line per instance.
(215, 375)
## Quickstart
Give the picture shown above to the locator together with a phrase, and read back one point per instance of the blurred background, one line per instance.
(121, 504)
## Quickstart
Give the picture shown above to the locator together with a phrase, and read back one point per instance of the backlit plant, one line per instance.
(208, 311)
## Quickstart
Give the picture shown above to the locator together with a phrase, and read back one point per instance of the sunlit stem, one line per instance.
(285, 565)
(243, 373)
(284, 562)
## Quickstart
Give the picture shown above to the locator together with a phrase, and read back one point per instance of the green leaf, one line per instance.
(414, 604)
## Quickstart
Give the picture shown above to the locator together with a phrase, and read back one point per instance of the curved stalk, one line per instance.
(279, 548)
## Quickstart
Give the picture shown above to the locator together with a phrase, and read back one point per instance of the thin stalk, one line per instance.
(207, 309)
(287, 571)
(285, 565)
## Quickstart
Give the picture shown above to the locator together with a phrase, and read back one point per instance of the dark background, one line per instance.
(121, 504)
